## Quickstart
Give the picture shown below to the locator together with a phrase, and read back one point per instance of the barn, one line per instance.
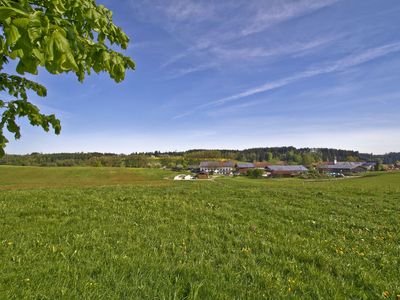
(346, 168)
(287, 171)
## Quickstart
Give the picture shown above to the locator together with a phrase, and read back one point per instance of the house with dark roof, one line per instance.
(218, 167)
(346, 168)
(288, 171)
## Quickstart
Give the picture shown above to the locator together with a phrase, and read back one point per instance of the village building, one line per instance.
(369, 166)
(287, 171)
(242, 168)
(346, 168)
(217, 167)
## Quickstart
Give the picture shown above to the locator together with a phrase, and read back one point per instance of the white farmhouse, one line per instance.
(219, 167)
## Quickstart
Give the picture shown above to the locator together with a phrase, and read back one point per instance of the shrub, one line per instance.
(255, 173)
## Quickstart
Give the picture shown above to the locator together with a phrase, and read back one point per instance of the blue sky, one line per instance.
(236, 74)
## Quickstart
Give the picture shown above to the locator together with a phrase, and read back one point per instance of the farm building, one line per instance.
(218, 167)
(242, 168)
(290, 171)
(344, 168)
(369, 166)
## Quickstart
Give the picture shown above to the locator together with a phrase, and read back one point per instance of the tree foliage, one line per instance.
(149, 159)
(60, 36)
(255, 173)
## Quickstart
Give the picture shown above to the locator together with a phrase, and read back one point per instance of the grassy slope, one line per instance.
(12, 177)
(232, 238)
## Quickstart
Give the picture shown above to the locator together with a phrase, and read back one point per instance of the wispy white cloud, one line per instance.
(193, 69)
(289, 48)
(337, 66)
(340, 65)
(284, 11)
(225, 55)
(221, 55)
(334, 100)
(237, 108)
(172, 12)
(199, 46)
(184, 10)
(260, 17)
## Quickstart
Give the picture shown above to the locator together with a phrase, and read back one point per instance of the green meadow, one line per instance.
(119, 233)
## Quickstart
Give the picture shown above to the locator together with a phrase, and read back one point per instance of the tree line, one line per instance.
(191, 158)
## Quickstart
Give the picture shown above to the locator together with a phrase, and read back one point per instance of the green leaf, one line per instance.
(13, 128)
(60, 42)
(50, 49)
(39, 55)
(21, 23)
(34, 28)
(16, 53)
(20, 68)
(12, 34)
(30, 65)
(101, 37)
(27, 65)
(8, 12)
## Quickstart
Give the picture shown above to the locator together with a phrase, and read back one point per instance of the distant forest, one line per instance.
(184, 159)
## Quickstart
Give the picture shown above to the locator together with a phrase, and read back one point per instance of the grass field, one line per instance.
(87, 233)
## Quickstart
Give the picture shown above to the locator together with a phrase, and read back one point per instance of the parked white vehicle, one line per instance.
(184, 177)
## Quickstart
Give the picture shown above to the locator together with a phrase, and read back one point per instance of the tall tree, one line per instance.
(270, 156)
(308, 159)
(61, 36)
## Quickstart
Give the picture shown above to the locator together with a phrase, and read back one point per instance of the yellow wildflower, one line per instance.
(339, 250)
(246, 249)
(386, 294)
